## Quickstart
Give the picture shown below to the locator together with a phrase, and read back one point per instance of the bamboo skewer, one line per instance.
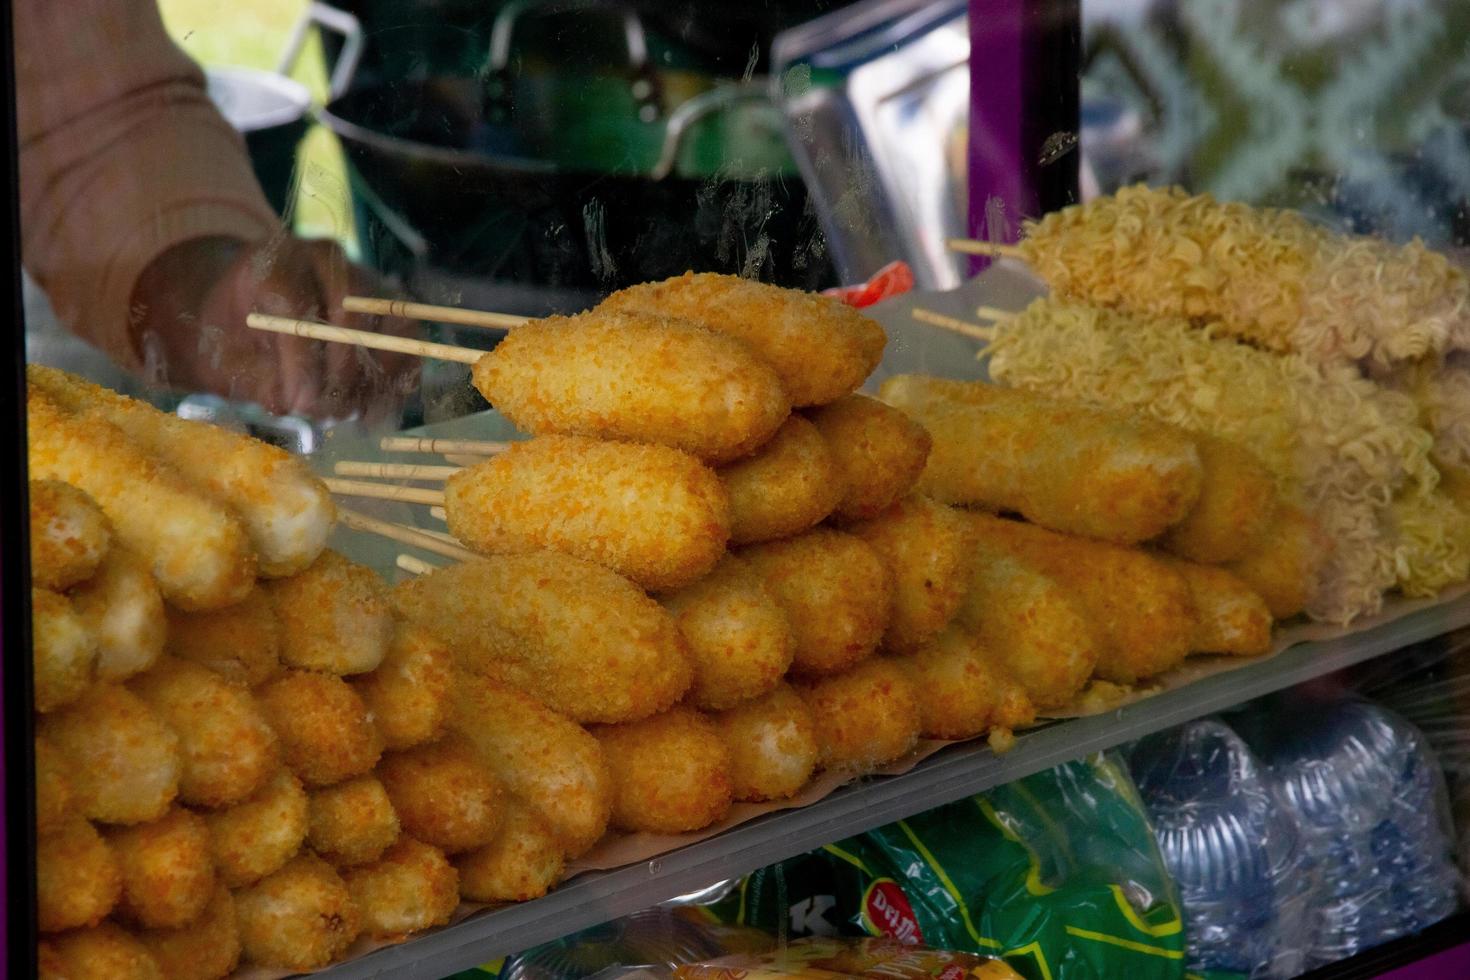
(427, 311)
(417, 444)
(404, 535)
(384, 491)
(414, 566)
(971, 246)
(394, 471)
(439, 514)
(953, 324)
(994, 313)
(361, 338)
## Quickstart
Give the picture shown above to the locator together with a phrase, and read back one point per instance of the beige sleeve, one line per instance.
(122, 156)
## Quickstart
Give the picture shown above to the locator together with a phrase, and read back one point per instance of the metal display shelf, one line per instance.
(952, 774)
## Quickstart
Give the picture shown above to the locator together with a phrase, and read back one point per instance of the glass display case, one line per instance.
(549, 489)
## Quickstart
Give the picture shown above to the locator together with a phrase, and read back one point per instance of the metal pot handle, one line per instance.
(327, 18)
(682, 119)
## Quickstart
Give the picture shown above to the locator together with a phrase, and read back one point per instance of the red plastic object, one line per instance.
(894, 279)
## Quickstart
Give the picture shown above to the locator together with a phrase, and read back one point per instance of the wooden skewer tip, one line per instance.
(953, 324)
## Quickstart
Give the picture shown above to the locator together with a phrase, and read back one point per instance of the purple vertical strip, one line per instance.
(999, 191)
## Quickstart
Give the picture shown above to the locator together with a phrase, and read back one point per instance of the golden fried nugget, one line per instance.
(638, 377)
(836, 594)
(299, 918)
(69, 535)
(865, 717)
(123, 610)
(408, 694)
(582, 639)
(78, 880)
(103, 952)
(410, 888)
(167, 869)
(737, 634)
(820, 347)
(443, 794)
(228, 749)
(652, 513)
(1287, 563)
(790, 485)
(53, 786)
(206, 949)
(880, 453)
(63, 651)
(257, 837)
(924, 546)
(1230, 618)
(124, 760)
(521, 863)
(966, 691)
(1237, 501)
(671, 772)
(772, 743)
(335, 616)
(541, 757)
(325, 732)
(352, 822)
(241, 643)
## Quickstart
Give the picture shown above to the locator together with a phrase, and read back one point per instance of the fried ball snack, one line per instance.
(966, 690)
(670, 773)
(63, 651)
(124, 760)
(53, 786)
(638, 377)
(102, 952)
(335, 616)
(195, 548)
(408, 695)
(836, 594)
(1230, 618)
(880, 452)
(325, 732)
(865, 717)
(206, 949)
(737, 635)
(69, 535)
(257, 837)
(167, 870)
(299, 918)
(352, 822)
(1287, 565)
(1062, 465)
(924, 546)
(582, 639)
(78, 880)
(772, 743)
(286, 511)
(652, 513)
(123, 610)
(1141, 608)
(228, 749)
(410, 888)
(444, 795)
(820, 347)
(521, 863)
(1032, 625)
(790, 485)
(539, 756)
(1237, 501)
(241, 643)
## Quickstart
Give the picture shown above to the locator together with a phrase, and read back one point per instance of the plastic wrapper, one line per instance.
(830, 959)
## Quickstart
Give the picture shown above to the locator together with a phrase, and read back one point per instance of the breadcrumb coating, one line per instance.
(299, 918)
(352, 822)
(167, 871)
(257, 837)
(772, 743)
(670, 773)
(880, 452)
(444, 795)
(412, 887)
(325, 732)
(865, 717)
(124, 760)
(69, 535)
(925, 548)
(335, 616)
(522, 863)
(790, 485)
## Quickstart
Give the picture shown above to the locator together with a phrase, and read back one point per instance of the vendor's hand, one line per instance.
(190, 308)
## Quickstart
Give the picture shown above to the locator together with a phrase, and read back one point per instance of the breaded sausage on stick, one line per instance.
(925, 547)
(63, 651)
(69, 535)
(124, 611)
(880, 453)
(670, 773)
(789, 485)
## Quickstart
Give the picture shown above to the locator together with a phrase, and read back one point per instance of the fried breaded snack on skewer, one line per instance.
(69, 535)
(241, 643)
(195, 548)
(410, 888)
(652, 513)
(790, 485)
(585, 641)
(772, 743)
(53, 786)
(257, 837)
(865, 717)
(335, 616)
(352, 822)
(443, 794)
(924, 545)
(880, 453)
(966, 690)
(1229, 617)
(539, 756)
(102, 952)
(522, 863)
(408, 694)
(835, 592)
(123, 759)
(123, 609)
(820, 347)
(637, 377)
(737, 634)
(63, 651)
(227, 747)
(1286, 565)
(325, 732)
(1237, 502)
(167, 871)
(78, 880)
(299, 918)
(206, 949)
(670, 773)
